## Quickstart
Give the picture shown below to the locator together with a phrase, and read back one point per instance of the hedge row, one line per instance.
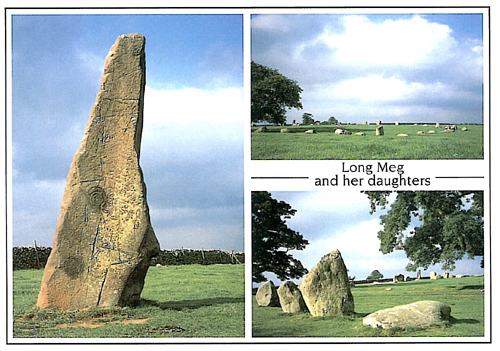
(190, 256)
(36, 257)
(30, 257)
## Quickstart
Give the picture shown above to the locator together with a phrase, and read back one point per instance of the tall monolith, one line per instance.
(326, 288)
(104, 240)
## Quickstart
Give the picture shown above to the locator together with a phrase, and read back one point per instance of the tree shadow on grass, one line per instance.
(191, 304)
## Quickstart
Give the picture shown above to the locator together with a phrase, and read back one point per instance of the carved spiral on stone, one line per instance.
(97, 196)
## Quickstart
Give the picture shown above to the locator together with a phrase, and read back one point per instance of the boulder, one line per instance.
(310, 131)
(290, 298)
(104, 240)
(437, 125)
(379, 130)
(402, 135)
(267, 295)
(285, 130)
(359, 133)
(340, 131)
(420, 314)
(431, 132)
(435, 276)
(326, 289)
(262, 129)
(420, 132)
(398, 278)
(464, 129)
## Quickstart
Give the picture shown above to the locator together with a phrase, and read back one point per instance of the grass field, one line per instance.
(326, 145)
(177, 301)
(465, 296)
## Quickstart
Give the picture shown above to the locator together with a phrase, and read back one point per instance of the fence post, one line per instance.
(36, 255)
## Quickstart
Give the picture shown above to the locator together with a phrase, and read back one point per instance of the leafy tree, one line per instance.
(332, 120)
(451, 226)
(272, 94)
(375, 275)
(272, 239)
(307, 118)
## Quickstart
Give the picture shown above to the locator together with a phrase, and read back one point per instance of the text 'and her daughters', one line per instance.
(383, 174)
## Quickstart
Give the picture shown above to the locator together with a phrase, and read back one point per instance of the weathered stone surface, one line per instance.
(326, 289)
(290, 298)
(104, 239)
(379, 130)
(310, 131)
(267, 295)
(420, 314)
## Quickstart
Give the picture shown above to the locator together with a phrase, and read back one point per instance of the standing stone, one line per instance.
(419, 274)
(446, 275)
(379, 130)
(104, 240)
(326, 289)
(291, 299)
(267, 295)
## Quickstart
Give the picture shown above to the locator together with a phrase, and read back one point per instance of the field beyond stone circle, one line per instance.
(465, 296)
(326, 145)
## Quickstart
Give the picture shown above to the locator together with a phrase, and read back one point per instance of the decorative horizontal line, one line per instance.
(462, 177)
(280, 177)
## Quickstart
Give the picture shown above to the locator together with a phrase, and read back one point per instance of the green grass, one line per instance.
(464, 296)
(273, 145)
(177, 301)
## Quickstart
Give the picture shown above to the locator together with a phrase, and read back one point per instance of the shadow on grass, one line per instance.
(463, 321)
(191, 304)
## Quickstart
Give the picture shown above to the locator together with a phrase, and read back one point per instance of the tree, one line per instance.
(375, 275)
(332, 120)
(272, 239)
(451, 226)
(307, 118)
(272, 93)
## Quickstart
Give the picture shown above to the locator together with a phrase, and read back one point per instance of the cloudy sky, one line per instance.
(392, 67)
(341, 220)
(192, 147)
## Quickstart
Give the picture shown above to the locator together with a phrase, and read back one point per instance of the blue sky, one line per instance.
(341, 220)
(192, 145)
(367, 67)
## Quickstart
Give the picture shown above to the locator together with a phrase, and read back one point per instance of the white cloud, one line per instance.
(412, 41)
(192, 124)
(191, 105)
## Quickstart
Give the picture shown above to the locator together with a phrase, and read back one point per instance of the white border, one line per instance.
(282, 168)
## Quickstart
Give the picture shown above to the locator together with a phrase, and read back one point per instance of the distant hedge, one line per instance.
(36, 257)
(190, 256)
(30, 257)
